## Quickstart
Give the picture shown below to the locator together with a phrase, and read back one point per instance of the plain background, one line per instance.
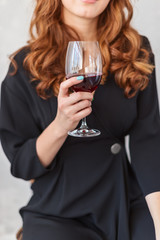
(15, 17)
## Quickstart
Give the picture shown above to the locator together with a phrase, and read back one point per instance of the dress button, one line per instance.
(115, 148)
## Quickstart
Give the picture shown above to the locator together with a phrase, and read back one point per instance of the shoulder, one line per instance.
(18, 59)
(146, 44)
(19, 81)
(20, 55)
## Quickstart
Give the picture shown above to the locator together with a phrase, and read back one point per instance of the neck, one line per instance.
(86, 28)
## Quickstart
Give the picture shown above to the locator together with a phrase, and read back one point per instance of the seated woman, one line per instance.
(84, 188)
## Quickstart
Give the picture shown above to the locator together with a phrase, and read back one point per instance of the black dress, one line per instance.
(90, 191)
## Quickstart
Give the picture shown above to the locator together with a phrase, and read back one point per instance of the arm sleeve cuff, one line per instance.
(26, 163)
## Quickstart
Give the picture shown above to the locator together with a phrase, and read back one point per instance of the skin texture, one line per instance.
(153, 202)
(83, 16)
(82, 9)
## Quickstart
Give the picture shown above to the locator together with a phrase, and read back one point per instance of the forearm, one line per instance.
(49, 143)
(153, 201)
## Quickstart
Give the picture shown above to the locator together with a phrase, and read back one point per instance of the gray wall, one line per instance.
(14, 22)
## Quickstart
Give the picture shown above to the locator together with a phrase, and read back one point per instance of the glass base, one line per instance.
(84, 132)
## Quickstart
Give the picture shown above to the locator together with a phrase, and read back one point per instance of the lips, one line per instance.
(89, 1)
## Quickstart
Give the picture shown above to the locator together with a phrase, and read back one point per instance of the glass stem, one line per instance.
(84, 124)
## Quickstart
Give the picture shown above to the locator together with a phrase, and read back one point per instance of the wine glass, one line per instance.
(83, 58)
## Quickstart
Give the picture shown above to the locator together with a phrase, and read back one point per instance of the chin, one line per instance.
(82, 9)
(87, 15)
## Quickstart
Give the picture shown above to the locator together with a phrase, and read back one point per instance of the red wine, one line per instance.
(89, 84)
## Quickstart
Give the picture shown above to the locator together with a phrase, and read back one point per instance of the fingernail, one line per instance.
(80, 78)
(93, 99)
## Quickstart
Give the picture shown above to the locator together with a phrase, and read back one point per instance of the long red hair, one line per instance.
(121, 46)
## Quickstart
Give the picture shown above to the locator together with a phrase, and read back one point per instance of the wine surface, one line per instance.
(89, 84)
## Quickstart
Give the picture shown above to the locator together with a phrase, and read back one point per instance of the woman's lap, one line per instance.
(36, 226)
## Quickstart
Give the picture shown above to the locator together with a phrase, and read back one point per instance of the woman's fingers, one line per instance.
(64, 87)
(72, 108)
(79, 96)
(81, 114)
(80, 106)
(75, 103)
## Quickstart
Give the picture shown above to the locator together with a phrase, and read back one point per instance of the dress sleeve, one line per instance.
(19, 132)
(145, 138)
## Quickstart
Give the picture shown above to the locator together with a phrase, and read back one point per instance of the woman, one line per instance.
(84, 188)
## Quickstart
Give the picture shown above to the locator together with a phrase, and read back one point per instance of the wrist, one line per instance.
(59, 130)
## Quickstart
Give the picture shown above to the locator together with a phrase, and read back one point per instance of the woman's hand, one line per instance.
(72, 108)
(157, 233)
(153, 202)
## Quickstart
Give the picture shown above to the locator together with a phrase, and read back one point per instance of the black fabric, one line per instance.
(141, 223)
(37, 226)
(145, 138)
(85, 180)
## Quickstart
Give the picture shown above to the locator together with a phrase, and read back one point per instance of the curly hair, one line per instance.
(122, 50)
